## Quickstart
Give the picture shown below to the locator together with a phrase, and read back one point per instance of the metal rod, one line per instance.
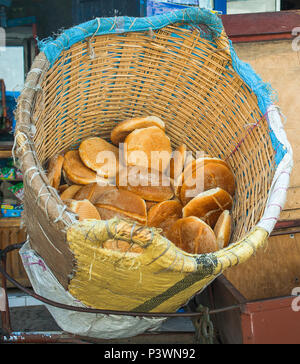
(286, 232)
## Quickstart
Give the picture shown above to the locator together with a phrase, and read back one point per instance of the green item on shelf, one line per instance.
(17, 190)
(7, 173)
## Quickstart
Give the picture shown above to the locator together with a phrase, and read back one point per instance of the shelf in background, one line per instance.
(11, 180)
(10, 222)
(5, 153)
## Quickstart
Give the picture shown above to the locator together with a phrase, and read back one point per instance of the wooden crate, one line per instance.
(265, 321)
(11, 233)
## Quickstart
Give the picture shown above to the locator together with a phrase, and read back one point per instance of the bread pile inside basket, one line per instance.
(137, 175)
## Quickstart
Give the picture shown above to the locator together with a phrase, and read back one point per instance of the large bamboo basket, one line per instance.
(181, 67)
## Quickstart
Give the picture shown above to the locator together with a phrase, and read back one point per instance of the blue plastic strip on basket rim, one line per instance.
(193, 16)
(124, 24)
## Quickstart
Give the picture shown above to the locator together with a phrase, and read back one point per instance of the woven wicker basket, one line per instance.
(181, 67)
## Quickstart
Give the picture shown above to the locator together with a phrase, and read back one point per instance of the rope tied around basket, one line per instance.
(122, 230)
(89, 41)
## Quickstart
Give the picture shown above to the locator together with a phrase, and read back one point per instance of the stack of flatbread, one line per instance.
(138, 176)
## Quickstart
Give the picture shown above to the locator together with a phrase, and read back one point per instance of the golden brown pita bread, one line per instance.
(70, 192)
(92, 192)
(100, 156)
(109, 212)
(193, 235)
(62, 188)
(149, 186)
(148, 147)
(84, 209)
(122, 203)
(55, 169)
(177, 161)
(205, 174)
(223, 229)
(164, 214)
(76, 171)
(123, 129)
(209, 205)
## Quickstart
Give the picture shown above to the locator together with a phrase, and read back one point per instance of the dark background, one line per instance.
(54, 15)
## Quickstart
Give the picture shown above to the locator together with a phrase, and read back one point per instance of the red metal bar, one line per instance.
(261, 26)
(271, 321)
(284, 224)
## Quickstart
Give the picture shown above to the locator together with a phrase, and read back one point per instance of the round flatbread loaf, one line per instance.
(123, 129)
(55, 170)
(177, 161)
(193, 235)
(164, 214)
(84, 209)
(100, 156)
(155, 186)
(70, 192)
(92, 192)
(205, 174)
(209, 205)
(76, 171)
(223, 229)
(149, 148)
(122, 203)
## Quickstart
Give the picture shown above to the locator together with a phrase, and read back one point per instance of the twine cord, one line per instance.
(90, 46)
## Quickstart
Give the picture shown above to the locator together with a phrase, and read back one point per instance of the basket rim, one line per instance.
(123, 24)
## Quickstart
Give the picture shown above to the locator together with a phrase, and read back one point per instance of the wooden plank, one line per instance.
(273, 271)
(10, 235)
(290, 214)
(293, 199)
